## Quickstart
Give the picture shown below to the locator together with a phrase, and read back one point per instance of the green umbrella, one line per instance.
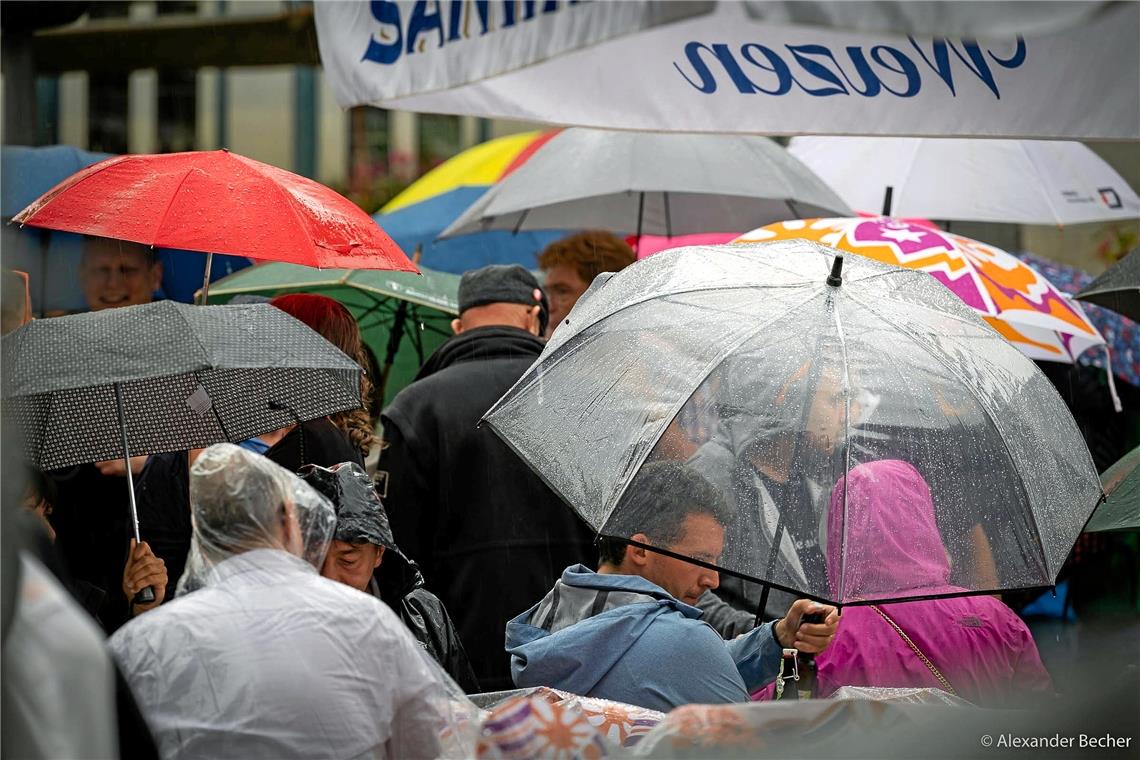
(1121, 507)
(403, 317)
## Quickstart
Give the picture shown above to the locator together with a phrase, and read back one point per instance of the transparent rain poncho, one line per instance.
(743, 364)
(240, 502)
(259, 656)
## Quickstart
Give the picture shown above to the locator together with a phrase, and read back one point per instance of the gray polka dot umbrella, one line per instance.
(166, 376)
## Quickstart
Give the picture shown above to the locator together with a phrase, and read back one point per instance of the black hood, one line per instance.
(483, 343)
(360, 515)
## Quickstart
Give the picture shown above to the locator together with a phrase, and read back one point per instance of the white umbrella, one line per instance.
(1015, 181)
(649, 183)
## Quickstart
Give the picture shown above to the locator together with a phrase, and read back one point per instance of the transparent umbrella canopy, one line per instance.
(860, 435)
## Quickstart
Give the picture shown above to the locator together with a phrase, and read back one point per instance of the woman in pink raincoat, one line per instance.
(974, 646)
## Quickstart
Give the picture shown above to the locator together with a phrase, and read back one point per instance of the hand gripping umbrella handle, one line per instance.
(805, 686)
(145, 595)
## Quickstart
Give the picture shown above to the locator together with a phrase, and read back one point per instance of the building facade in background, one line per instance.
(282, 115)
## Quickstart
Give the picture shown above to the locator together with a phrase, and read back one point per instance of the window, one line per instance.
(439, 139)
(368, 145)
(107, 96)
(177, 93)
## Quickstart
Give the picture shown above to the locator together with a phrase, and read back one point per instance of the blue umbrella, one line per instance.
(51, 259)
(26, 174)
(420, 223)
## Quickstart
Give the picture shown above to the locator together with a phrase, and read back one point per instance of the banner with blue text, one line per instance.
(733, 70)
(378, 50)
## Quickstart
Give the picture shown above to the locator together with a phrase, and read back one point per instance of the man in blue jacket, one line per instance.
(631, 633)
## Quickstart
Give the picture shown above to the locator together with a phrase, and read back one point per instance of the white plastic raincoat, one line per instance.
(267, 659)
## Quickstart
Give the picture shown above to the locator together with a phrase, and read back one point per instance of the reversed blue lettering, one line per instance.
(870, 78)
(979, 67)
(1015, 60)
(802, 54)
(708, 79)
(903, 65)
(871, 84)
(774, 64)
(941, 63)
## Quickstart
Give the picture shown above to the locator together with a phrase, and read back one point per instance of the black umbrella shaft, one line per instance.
(127, 460)
(206, 278)
(394, 338)
(640, 216)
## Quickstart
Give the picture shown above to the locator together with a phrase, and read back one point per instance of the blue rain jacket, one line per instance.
(623, 638)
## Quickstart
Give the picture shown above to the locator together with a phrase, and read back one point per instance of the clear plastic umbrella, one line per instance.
(786, 385)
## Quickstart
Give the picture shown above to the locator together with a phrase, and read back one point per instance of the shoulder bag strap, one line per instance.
(914, 648)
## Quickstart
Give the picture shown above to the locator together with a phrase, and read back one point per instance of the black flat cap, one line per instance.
(501, 283)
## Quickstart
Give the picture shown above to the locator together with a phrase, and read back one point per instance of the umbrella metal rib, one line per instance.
(799, 592)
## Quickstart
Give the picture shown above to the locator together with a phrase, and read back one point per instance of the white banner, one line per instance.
(378, 50)
(729, 72)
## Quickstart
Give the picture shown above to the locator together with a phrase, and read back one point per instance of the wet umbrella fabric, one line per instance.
(1118, 288)
(189, 377)
(52, 258)
(1005, 181)
(1121, 508)
(1121, 334)
(1011, 296)
(648, 183)
(403, 317)
(416, 216)
(217, 202)
(770, 385)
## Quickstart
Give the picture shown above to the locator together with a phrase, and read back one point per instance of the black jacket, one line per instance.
(318, 442)
(400, 584)
(490, 536)
(163, 494)
(91, 518)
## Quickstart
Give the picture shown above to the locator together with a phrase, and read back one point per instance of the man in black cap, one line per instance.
(489, 535)
(364, 555)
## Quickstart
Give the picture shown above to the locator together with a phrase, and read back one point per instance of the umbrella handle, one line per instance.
(804, 686)
(144, 596)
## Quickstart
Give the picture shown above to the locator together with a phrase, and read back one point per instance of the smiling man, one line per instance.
(118, 273)
(630, 632)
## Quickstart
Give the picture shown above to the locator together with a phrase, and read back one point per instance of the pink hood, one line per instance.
(885, 543)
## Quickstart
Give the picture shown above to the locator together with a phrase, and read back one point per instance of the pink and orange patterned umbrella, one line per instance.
(1024, 307)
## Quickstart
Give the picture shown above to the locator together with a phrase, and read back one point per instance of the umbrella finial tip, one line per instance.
(835, 279)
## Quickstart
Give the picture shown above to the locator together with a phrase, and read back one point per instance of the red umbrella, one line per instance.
(218, 202)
